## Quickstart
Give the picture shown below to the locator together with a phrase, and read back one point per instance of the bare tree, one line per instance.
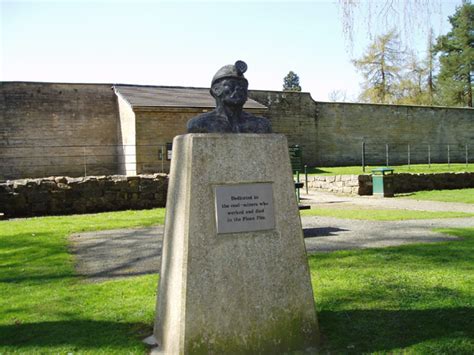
(376, 16)
(337, 96)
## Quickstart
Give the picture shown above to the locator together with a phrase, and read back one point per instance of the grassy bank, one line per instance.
(460, 195)
(415, 169)
(381, 214)
(416, 298)
(45, 308)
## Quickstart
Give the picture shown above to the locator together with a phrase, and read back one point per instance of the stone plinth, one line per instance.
(224, 288)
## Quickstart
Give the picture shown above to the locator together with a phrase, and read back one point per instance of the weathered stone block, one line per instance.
(347, 189)
(238, 292)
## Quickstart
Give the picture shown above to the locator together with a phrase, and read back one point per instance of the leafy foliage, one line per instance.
(394, 76)
(456, 50)
(380, 67)
(416, 86)
(291, 82)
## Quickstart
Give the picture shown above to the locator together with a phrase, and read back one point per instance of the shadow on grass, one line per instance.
(321, 232)
(73, 333)
(316, 171)
(30, 257)
(361, 331)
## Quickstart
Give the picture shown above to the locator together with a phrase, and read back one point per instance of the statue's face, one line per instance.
(231, 91)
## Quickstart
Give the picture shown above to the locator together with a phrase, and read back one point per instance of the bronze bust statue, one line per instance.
(229, 87)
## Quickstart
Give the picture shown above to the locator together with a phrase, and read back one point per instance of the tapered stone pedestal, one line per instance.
(234, 274)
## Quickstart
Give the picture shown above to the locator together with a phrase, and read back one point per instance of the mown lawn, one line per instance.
(459, 195)
(416, 298)
(415, 168)
(45, 308)
(381, 214)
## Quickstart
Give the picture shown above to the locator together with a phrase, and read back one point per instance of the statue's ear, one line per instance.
(216, 90)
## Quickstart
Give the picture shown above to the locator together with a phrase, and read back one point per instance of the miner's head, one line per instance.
(229, 85)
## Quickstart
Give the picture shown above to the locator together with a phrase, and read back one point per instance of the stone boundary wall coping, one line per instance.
(403, 182)
(63, 195)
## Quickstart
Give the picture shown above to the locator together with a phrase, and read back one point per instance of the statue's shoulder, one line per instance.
(200, 123)
(257, 124)
(208, 122)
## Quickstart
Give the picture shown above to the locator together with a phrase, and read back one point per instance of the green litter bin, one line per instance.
(382, 182)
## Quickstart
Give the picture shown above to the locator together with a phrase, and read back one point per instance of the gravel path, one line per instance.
(127, 252)
(325, 234)
(325, 199)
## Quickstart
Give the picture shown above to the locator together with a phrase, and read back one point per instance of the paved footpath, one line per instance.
(325, 199)
(126, 252)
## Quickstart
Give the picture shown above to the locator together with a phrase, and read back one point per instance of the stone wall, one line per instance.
(362, 184)
(75, 129)
(126, 135)
(156, 127)
(331, 134)
(66, 195)
(343, 184)
(295, 115)
(47, 129)
(342, 127)
(444, 181)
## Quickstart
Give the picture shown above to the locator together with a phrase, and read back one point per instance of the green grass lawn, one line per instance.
(381, 215)
(460, 195)
(45, 308)
(418, 168)
(416, 298)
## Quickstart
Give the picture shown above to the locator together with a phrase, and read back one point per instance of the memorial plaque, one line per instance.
(244, 208)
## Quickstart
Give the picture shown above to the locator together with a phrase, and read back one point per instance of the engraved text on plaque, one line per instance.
(244, 208)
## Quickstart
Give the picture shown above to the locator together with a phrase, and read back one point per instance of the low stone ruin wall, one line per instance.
(345, 184)
(362, 184)
(66, 195)
(444, 181)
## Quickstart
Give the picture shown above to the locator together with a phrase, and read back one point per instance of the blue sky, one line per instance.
(180, 43)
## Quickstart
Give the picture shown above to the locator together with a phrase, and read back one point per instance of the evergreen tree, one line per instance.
(456, 48)
(380, 66)
(291, 82)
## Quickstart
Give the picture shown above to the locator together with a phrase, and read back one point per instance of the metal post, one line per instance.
(429, 156)
(449, 157)
(386, 154)
(467, 157)
(85, 161)
(162, 156)
(363, 157)
(408, 156)
(298, 180)
(306, 177)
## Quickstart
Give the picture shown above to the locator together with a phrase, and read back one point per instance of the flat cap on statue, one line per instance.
(229, 88)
